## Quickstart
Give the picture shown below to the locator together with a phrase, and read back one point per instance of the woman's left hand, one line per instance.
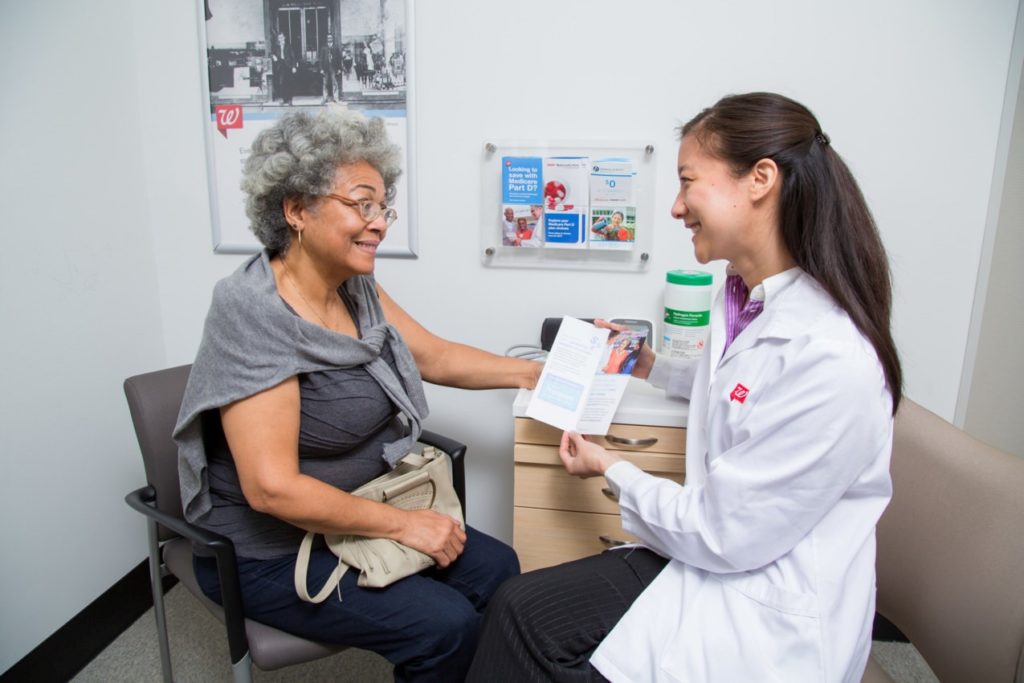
(583, 458)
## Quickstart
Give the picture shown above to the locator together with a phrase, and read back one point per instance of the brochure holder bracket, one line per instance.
(594, 188)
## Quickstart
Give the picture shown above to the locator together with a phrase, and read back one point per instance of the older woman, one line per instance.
(315, 374)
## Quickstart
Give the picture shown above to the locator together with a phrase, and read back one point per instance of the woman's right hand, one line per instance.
(645, 361)
(434, 534)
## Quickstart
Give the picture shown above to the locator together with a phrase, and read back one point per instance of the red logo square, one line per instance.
(739, 393)
(228, 116)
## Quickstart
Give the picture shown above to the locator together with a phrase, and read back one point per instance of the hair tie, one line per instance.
(822, 138)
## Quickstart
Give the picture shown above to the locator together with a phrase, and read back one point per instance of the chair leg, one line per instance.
(241, 671)
(156, 583)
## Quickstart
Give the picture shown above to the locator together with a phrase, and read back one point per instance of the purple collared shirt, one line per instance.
(741, 307)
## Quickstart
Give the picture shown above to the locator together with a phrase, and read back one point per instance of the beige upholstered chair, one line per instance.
(154, 400)
(951, 552)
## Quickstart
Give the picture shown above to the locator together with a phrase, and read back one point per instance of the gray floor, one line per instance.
(199, 653)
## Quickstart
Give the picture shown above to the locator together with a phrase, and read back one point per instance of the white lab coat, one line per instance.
(772, 538)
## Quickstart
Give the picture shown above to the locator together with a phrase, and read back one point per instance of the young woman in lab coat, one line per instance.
(761, 566)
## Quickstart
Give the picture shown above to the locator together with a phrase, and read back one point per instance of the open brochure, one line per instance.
(584, 377)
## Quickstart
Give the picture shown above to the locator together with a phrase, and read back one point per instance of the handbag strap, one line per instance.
(302, 572)
(305, 548)
(429, 455)
(417, 479)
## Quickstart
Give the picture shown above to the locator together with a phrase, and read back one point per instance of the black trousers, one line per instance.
(544, 625)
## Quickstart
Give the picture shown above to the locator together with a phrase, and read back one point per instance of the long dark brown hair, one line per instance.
(825, 222)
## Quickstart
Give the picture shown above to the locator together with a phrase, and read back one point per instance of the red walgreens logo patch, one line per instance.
(739, 393)
(228, 116)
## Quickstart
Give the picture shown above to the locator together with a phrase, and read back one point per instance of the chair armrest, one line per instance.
(457, 452)
(205, 543)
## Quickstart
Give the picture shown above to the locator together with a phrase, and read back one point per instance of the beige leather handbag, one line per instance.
(419, 482)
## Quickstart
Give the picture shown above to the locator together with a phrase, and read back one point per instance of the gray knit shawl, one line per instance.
(252, 341)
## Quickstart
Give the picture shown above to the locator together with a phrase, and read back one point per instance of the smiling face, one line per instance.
(713, 202)
(336, 234)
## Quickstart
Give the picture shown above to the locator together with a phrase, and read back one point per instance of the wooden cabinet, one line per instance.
(558, 517)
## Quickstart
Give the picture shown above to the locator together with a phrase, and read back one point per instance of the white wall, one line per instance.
(998, 363)
(111, 267)
(79, 311)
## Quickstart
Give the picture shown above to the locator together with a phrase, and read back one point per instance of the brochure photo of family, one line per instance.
(621, 352)
(522, 225)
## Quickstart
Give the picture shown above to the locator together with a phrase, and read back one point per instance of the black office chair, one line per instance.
(154, 400)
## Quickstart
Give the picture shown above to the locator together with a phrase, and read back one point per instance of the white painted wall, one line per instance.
(79, 311)
(109, 266)
(995, 377)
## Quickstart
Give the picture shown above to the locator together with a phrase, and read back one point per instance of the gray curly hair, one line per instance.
(298, 157)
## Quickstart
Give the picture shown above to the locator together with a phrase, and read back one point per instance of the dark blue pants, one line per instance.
(427, 625)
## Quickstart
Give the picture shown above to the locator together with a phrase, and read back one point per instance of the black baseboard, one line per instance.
(76, 643)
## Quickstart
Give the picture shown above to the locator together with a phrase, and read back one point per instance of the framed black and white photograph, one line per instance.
(263, 58)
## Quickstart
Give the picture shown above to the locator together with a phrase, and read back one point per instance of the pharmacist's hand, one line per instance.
(605, 325)
(583, 458)
(645, 361)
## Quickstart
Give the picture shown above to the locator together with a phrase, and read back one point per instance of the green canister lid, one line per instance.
(688, 277)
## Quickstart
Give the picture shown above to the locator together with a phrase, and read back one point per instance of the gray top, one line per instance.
(252, 341)
(346, 420)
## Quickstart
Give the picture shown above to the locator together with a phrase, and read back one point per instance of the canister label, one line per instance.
(687, 318)
(683, 342)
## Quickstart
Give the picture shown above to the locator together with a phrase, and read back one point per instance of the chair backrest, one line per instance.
(154, 399)
(951, 550)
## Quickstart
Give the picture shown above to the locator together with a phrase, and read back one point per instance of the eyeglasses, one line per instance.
(368, 209)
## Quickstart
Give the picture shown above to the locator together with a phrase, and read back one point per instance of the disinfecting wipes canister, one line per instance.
(687, 313)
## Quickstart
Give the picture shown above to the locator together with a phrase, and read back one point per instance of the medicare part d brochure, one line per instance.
(584, 377)
(566, 198)
(522, 201)
(521, 181)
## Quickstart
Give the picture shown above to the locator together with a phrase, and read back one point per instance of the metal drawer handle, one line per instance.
(609, 493)
(625, 441)
(610, 542)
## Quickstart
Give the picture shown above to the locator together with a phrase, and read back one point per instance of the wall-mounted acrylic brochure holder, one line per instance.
(585, 206)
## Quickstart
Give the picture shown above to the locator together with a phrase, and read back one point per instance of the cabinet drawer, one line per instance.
(670, 463)
(551, 487)
(635, 438)
(543, 538)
